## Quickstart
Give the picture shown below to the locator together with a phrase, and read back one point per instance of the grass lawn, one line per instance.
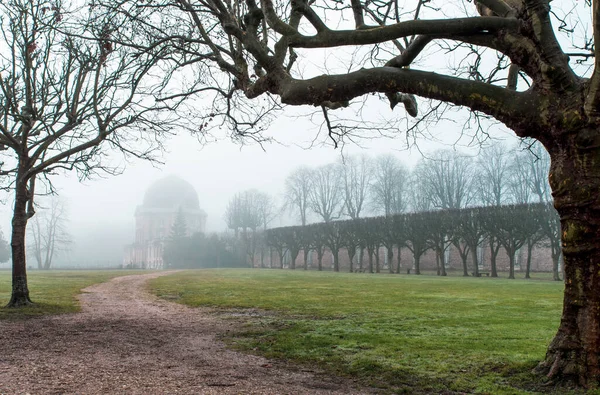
(52, 291)
(409, 334)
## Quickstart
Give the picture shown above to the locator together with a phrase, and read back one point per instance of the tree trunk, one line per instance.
(262, 257)
(574, 353)
(336, 260)
(320, 260)
(360, 259)
(443, 264)
(377, 269)
(511, 264)
(437, 263)
(390, 258)
(494, 249)
(475, 263)
(20, 290)
(293, 257)
(398, 260)
(370, 261)
(351, 253)
(528, 265)
(463, 258)
(417, 264)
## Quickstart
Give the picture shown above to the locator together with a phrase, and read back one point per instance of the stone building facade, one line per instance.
(155, 217)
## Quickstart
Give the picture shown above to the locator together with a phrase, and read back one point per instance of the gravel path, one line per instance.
(125, 341)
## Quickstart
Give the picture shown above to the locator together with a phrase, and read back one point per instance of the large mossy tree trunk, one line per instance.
(574, 353)
(20, 289)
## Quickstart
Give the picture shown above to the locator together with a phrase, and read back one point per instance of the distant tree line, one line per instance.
(359, 186)
(511, 227)
(362, 185)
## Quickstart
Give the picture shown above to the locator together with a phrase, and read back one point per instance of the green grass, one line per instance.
(408, 334)
(53, 292)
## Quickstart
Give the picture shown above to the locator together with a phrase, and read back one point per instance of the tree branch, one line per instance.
(592, 103)
(513, 108)
(377, 35)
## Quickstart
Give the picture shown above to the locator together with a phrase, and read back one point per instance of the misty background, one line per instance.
(101, 210)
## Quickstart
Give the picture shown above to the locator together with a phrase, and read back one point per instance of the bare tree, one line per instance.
(297, 192)
(447, 178)
(48, 233)
(67, 96)
(520, 178)
(539, 168)
(326, 197)
(539, 86)
(249, 210)
(389, 188)
(492, 175)
(356, 178)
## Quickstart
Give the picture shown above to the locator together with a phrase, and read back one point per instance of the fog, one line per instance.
(101, 209)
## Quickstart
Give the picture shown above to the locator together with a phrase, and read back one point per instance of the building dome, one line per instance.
(171, 192)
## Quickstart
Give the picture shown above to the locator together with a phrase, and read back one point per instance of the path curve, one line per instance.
(127, 341)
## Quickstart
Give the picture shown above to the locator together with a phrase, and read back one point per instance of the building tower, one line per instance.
(155, 217)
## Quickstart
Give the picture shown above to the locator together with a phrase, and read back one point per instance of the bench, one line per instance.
(487, 274)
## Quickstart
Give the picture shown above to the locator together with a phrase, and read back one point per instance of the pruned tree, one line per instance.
(317, 234)
(440, 233)
(389, 187)
(351, 235)
(326, 197)
(417, 238)
(68, 95)
(261, 50)
(470, 231)
(48, 233)
(297, 193)
(512, 226)
(334, 240)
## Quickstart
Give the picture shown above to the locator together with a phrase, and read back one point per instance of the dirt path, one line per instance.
(128, 342)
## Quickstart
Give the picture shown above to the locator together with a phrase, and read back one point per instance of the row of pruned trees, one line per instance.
(511, 227)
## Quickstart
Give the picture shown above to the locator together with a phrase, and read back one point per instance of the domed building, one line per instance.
(155, 217)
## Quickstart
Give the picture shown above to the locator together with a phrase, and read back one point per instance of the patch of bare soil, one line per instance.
(127, 341)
